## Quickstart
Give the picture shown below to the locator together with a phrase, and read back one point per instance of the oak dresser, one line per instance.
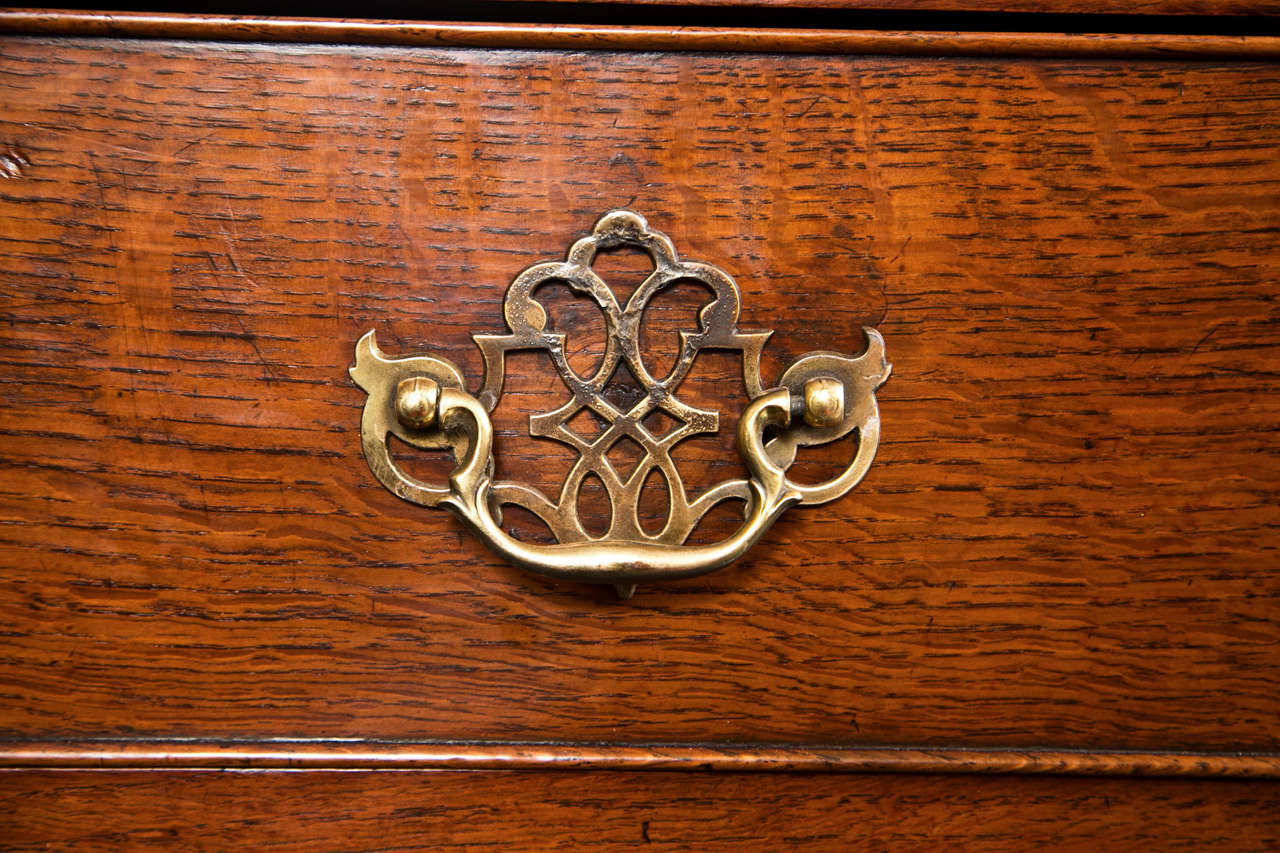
(1048, 617)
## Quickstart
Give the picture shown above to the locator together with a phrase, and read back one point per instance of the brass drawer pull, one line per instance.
(423, 401)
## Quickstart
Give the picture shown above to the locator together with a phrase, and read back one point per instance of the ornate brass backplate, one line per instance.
(423, 401)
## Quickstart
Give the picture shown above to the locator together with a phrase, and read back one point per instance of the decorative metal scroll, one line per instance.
(422, 400)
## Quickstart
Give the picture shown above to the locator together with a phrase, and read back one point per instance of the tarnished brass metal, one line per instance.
(423, 401)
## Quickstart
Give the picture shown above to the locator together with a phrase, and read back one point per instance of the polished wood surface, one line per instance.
(618, 811)
(365, 754)
(1059, 7)
(243, 28)
(1069, 537)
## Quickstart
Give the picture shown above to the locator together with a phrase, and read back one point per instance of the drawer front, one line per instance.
(1068, 538)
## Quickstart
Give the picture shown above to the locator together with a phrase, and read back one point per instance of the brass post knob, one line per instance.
(416, 401)
(823, 402)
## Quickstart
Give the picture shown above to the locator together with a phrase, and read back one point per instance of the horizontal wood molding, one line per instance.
(591, 37)
(1055, 7)
(349, 754)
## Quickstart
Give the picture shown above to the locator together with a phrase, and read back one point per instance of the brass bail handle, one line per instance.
(423, 401)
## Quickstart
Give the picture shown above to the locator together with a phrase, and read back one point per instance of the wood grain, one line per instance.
(1069, 538)
(358, 754)
(246, 28)
(616, 811)
(1059, 7)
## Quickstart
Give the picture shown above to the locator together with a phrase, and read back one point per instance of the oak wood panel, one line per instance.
(645, 38)
(610, 811)
(1070, 535)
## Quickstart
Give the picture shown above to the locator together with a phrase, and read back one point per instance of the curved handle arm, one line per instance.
(462, 422)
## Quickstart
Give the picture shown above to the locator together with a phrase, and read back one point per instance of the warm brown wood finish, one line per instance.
(1069, 539)
(596, 37)
(1060, 7)
(618, 811)
(355, 754)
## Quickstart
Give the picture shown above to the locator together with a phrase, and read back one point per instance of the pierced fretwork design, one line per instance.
(716, 328)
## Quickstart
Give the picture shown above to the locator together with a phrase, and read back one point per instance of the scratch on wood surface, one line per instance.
(12, 162)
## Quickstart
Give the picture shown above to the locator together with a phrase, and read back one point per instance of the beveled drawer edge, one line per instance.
(244, 28)
(360, 754)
